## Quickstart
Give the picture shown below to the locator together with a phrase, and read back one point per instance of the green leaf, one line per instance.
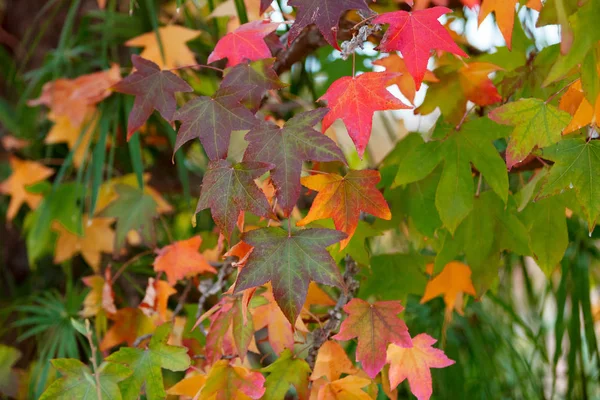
(490, 228)
(548, 236)
(290, 261)
(576, 165)
(134, 210)
(146, 365)
(285, 371)
(394, 277)
(536, 124)
(590, 77)
(78, 381)
(457, 150)
(8, 358)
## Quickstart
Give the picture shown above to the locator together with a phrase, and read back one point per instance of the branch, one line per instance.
(209, 288)
(321, 335)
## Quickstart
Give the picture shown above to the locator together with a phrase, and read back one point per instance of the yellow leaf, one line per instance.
(63, 131)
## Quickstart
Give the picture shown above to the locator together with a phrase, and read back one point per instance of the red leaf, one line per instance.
(415, 34)
(245, 43)
(355, 99)
(375, 325)
(153, 90)
(325, 14)
(414, 363)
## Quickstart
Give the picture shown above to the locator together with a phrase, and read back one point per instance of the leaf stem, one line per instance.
(88, 335)
(553, 95)
(197, 66)
(129, 262)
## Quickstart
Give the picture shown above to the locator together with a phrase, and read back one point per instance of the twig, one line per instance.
(182, 300)
(358, 40)
(129, 262)
(140, 339)
(321, 335)
(88, 335)
(209, 288)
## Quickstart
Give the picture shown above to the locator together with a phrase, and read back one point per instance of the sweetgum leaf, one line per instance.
(212, 119)
(229, 189)
(375, 325)
(536, 124)
(287, 148)
(325, 14)
(355, 99)
(78, 381)
(416, 48)
(285, 372)
(290, 262)
(146, 365)
(472, 144)
(576, 164)
(153, 90)
(255, 79)
(134, 210)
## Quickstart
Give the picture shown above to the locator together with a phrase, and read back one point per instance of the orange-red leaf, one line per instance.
(452, 282)
(129, 324)
(245, 43)
(156, 298)
(414, 364)
(182, 259)
(343, 198)
(405, 82)
(415, 34)
(355, 100)
(375, 325)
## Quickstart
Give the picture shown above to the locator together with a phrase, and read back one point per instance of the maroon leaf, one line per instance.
(229, 189)
(325, 14)
(212, 119)
(290, 262)
(153, 90)
(287, 148)
(256, 78)
(264, 4)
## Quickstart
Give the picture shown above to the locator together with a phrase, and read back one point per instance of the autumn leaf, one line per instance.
(229, 382)
(575, 103)
(280, 332)
(181, 259)
(153, 90)
(175, 51)
(98, 237)
(344, 198)
(536, 124)
(78, 381)
(286, 371)
(245, 43)
(414, 364)
(255, 79)
(347, 388)
(504, 11)
(72, 98)
(457, 87)
(24, 173)
(325, 14)
(576, 162)
(147, 364)
(331, 362)
(129, 324)
(286, 148)
(395, 64)
(416, 49)
(289, 262)
(155, 300)
(229, 189)
(355, 99)
(212, 119)
(452, 282)
(76, 137)
(101, 298)
(107, 192)
(375, 325)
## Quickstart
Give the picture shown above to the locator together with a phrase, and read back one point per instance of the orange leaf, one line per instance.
(174, 38)
(189, 386)
(182, 259)
(129, 324)
(414, 364)
(405, 82)
(476, 85)
(375, 325)
(63, 131)
(343, 198)
(24, 173)
(156, 298)
(98, 237)
(575, 103)
(332, 361)
(72, 97)
(504, 11)
(452, 282)
(348, 388)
